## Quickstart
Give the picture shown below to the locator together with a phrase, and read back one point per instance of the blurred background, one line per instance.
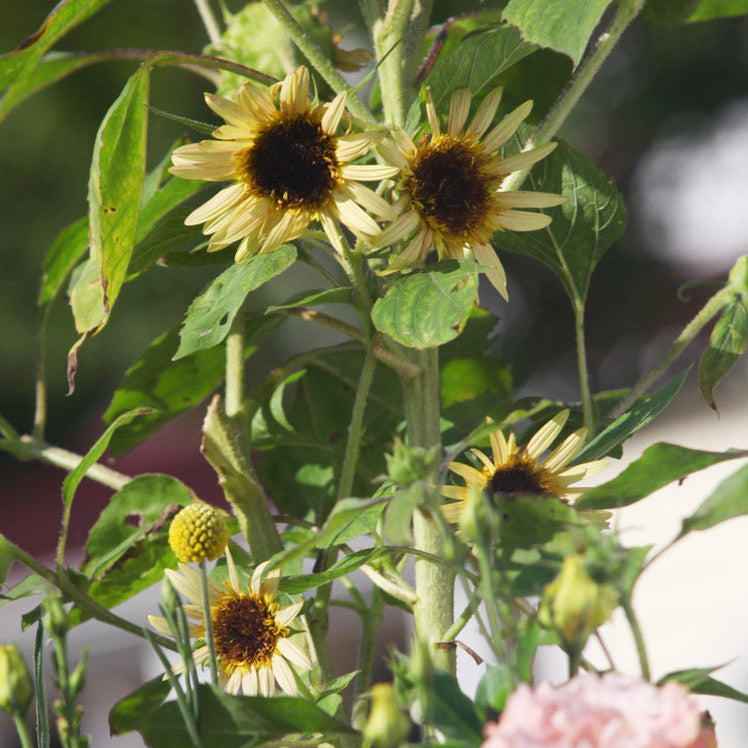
(666, 119)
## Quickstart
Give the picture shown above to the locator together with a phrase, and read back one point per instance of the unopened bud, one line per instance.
(16, 688)
(197, 532)
(574, 604)
(386, 726)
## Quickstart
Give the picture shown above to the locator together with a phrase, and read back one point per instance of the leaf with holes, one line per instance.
(210, 315)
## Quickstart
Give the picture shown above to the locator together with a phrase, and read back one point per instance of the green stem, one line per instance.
(313, 52)
(28, 448)
(389, 47)
(235, 367)
(22, 728)
(208, 618)
(490, 596)
(414, 43)
(40, 388)
(209, 21)
(712, 307)
(463, 618)
(433, 611)
(638, 638)
(365, 664)
(584, 378)
(89, 605)
(626, 11)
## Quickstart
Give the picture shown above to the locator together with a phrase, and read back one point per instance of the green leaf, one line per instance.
(294, 585)
(476, 63)
(210, 315)
(54, 67)
(140, 510)
(76, 475)
(582, 229)
(116, 183)
(7, 557)
(698, 680)
(730, 499)
(688, 11)
(451, 712)
(172, 387)
(660, 464)
(563, 25)
(128, 713)
(494, 688)
(726, 345)
(66, 251)
(32, 585)
(238, 721)
(65, 16)
(428, 308)
(631, 421)
(528, 521)
(341, 295)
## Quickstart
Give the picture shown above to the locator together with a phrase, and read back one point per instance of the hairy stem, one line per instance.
(584, 377)
(209, 21)
(638, 638)
(235, 367)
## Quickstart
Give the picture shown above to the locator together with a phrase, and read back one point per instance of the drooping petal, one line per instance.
(284, 675)
(294, 654)
(484, 254)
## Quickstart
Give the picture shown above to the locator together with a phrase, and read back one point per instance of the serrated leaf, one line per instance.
(428, 308)
(476, 63)
(145, 499)
(127, 714)
(699, 680)
(172, 387)
(53, 68)
(238, 721)
(65, 16)
(210, 315)
(563, 25)
(582, 229)
(631, 421)
(729, 499)
(660, 464)
(726, 345)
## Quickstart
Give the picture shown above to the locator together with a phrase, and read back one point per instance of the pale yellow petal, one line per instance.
(420, 245)
(226, 109)
(285, 615)
(460, 493)
(160, 625)
(583, 470)
(255, 581)
(485, 114)
(482, 457)
(431, 115)
(369, 200)
(188, 587)
(220, 202)
(356, 219)
(518, 220)
(284, 675)
(507, 127)
(401, 227)
(266, 681)
(233, 684)
(524, 159)
(256, 102)
(354, 145)
(453, 512)
(332, 233)
(368, 172)
(459, 108)
(527, 199)
(484, 254)
(294, 92)
(566, 451)
(469, 474)
(233, 574)
(291, 226)
(294, 654)
(499, 447)
(333, 114)
(404, 142)
(392, 154)
(250, 684)
(546, 435)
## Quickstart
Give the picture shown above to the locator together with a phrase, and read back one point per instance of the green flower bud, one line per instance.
(574, 604)
(386, 726)
(16, 688)
(406, 465)
(54, 617)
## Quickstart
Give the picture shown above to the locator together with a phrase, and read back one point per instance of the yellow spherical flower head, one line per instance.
(287, 167)
(512, 470)
(197, 532)
(250, 630)
(450, 182)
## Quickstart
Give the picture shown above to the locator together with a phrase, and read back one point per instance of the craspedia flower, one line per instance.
(198, 531)
(513, 470)
(450, 182)
(250, 630)
(287, 168)
(589, 711)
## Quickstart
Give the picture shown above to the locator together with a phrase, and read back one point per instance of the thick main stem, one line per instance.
(584, 377)
(433, 610)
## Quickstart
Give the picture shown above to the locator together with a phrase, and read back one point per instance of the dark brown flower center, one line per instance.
(245, 630)
(519, 478)
(292, 162)
(449, 187)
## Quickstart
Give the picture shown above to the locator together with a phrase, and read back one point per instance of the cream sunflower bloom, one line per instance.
(512, 470)
(250, 630)
(450, 183)
(287, 168)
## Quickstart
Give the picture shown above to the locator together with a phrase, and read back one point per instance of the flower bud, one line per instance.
(16, 688)
(406, 465)
(197, 532)
(54, 617)
(574, 604)
(386, 726)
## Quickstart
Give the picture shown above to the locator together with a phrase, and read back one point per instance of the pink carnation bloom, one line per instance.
(612, 711)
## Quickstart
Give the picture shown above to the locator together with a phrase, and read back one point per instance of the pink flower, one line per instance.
(612, 711)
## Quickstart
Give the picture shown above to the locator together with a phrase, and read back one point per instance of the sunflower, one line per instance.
(451, 186)
(250, 630)
(513, 470)
(287, 168)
